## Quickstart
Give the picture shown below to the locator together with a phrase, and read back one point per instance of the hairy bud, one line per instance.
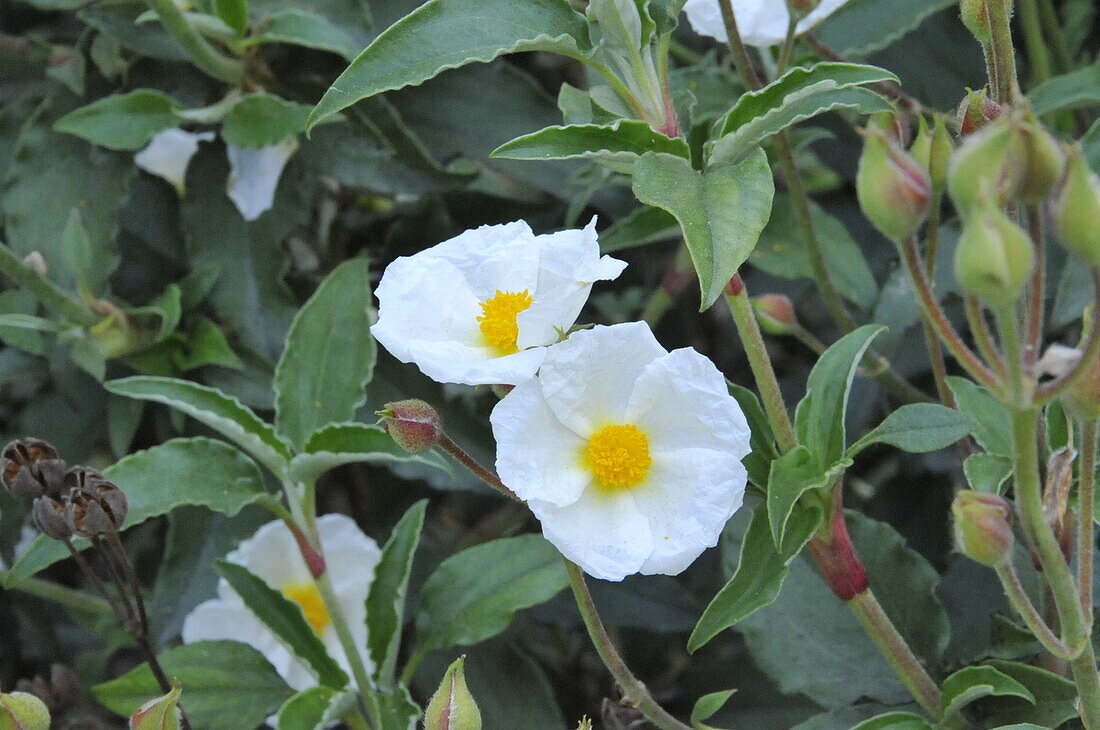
(988, 164)
(23, 711)
(975, 16)
(1077, 209)
(413, 424)
(1043, 163)
(31, 467)
(892, 187)
(774, 313)
(932, 149)
(983, 527)
(975, 111)
(994, 257)
(163, 713)
(452, 707)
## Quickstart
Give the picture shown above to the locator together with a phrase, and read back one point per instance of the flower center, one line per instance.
(498, 319)
(619, 456)
(309, 598)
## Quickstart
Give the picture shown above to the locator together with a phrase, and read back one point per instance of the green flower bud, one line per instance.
(988, 164)
(413, 424)
(892, 187)
(774, 313)
(23, 711)
(921, 149)
(994, 256)
(975, 111)
(1044, 163)
(163, 713)
(983, 527)
(932, 149)
(1077, 209)
(452, 707)
(975, 16)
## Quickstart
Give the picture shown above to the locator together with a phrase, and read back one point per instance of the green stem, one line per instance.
(788, 44)
(618, 87)
(1053, 29)
(412, 665)
(201, 53)
(749, 331)
(1037, 51)
(1004, 55)
(45, 291)
(351, 650)
(983, 336)
(1018, 599)
(71, 598)
(1086, 497)
(1088, 685)
(740, 54)
(1016, 388)
(1037, 294)
(897, 652)
(634, 691)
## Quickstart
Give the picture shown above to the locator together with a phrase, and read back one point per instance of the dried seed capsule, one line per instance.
(49, 516)
(30, 468)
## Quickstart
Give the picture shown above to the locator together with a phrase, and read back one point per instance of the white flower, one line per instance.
(760, 22)
(254, 175)
(480, 308)
(629, 455)
(169, 153)
(1058, 360)
(272, 555)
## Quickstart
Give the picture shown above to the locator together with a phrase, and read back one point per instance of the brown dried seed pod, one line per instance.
(49, 516)
(30, 467)
(85, 516)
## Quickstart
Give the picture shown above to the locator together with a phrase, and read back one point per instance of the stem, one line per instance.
(1037, 294)
(1053, 29)
(634, 691)
(1088, 685)
(1017, 598)
(45, 291)
(1086, 495)
(788, 44)
(412, 665)
(1037, 52)
(990, 67)
(887, 89)
(938, 320)
(478, 470)
(892, 645)
(749, 331)
(367, 700)
(201, 53)
(120, 585)
(71, 598)
(1004, 55)
(983, 336)
(1015, 386)
(737, 48)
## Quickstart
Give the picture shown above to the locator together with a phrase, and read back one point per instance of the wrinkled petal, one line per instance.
(169, 153)
(271, 555)
(603, 532)
(254, 175)
(1059, 359)
(587, 380)
(537, 457)
(761, 23)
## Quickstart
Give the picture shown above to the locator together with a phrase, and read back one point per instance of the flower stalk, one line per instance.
(202, 54)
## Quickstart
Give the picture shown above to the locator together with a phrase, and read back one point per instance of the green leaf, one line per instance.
(234, 13)
(223, 413)
(90, 265)
(186, 471)
(761, 570)
(709, 704)
(303, 28)
(348, 443)
(446, 34)
(206, 345)
(622, 142)
(123, 121)
(918, 428)
(860, 27)
(386, 600)
(642, 226)
(819, 417)
(895, 721)
(762, 440)
(993, 429)
(721, 210)
(263, 120)
(792, 475)
(399, 712)
(473, 595)
(796, 96)
(972, 683)
(329, 356)
(1054, 698)
(1080, 88)
(228, 685)
(286, 620)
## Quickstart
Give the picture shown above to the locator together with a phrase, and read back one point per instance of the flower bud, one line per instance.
(163, 713)
(801, 8)
(975, 16)
(892, 187)
(452, 707)
(413, 424)
(988, 163)
(585, 723)
(1077, 209)
(1043, 163)
(983, 527)
(23, 711)
(774, 313)
(49, 516)
(30, 468)
(994, 257)
(975, 111)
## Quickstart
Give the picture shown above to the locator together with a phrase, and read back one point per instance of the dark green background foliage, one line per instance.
(395, 174)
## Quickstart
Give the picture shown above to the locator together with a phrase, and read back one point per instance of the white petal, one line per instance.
(761, 23)
(491, 258)
(688, 497)
(169, 153)
(271, 555)
(681, 401)
(569, 262)
(537, 457)
(254, 175)
(587, 380)
(1059, 360)
(603, 532)
(350, 557)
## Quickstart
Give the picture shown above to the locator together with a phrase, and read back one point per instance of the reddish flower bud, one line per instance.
(892, 187)
(983, 527)
(975, 111)
(413, 424)
(774, 313)
(30, 468)
(452, 707)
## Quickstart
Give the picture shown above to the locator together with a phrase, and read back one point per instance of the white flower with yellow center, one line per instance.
(272, 555)
(480, 308)
(760, 23)
(629, 455)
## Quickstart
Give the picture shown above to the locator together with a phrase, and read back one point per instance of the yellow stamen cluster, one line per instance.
(498, 319)
(619, 456)
(309, 598)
